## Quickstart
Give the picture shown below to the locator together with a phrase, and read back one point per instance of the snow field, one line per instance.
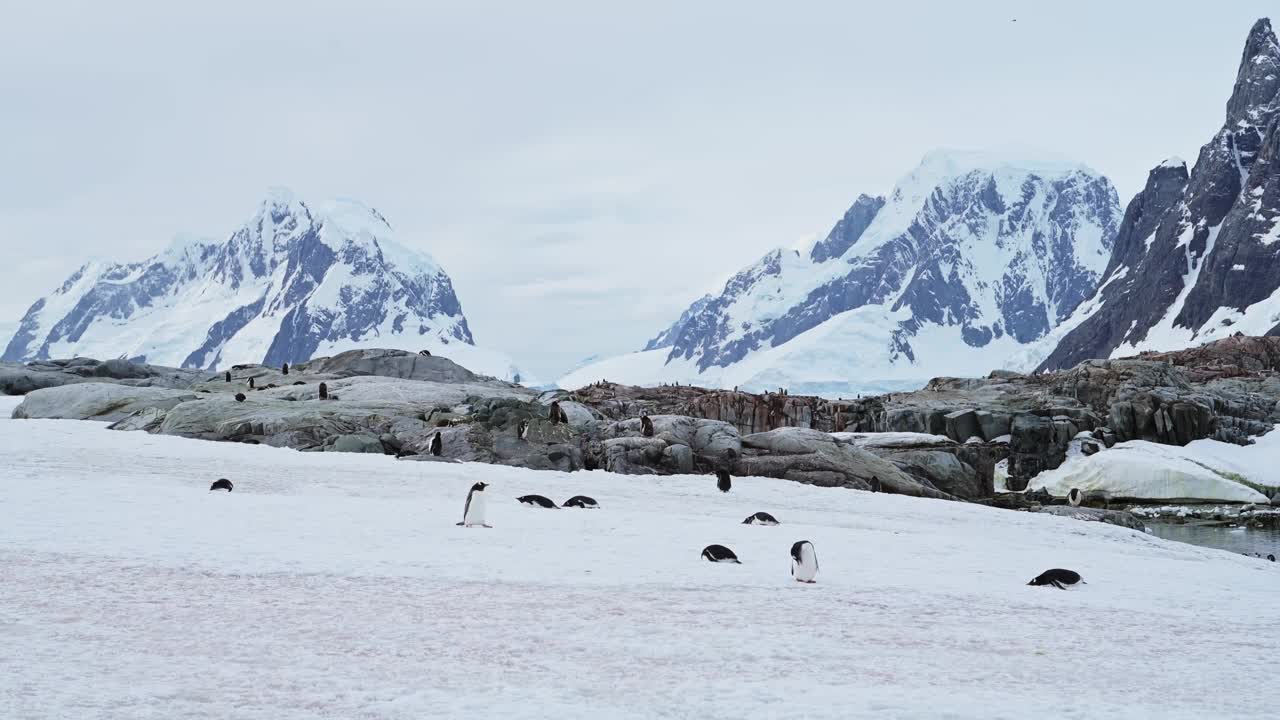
(337, 585)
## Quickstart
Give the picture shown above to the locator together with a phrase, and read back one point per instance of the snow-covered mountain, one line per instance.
(294, 282)
(961, 269)
(1197, 257)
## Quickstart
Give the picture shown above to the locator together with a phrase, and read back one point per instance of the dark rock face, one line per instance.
(1196, 250)
(316, 277)
(848, 230)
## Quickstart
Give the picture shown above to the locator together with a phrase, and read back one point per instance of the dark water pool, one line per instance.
(1236, 539)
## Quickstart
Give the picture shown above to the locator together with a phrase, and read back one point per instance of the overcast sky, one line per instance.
(582, 170)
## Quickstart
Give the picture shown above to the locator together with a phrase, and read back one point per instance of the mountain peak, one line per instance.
(1257, 90)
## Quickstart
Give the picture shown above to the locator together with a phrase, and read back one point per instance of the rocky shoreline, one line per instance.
(952, 439)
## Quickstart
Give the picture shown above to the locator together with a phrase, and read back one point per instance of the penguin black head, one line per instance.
(479, 487)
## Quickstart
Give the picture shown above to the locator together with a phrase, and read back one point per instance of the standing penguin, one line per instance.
(473, 511)
(555, 412)
(646, 426)
(522, 430)
(251, 386)
(875, 484)
(1075, 497)
(437, 444)
(723, 481)
(804, 562)
(228, 376)
(285, 369)
(324, 391)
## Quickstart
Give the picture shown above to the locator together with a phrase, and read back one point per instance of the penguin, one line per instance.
(299, 382)
(437, 444)
(324, 391)
(646, 426)
(876, 486)
(228, 376)
(522, 430)
(1075, 497)
(760, 518)
(239, 397)
(804, 562)
(251, 386)
(723, 481)
(424, 353)
(285, 369)
(221, 484)
(1059, 578)
(473, 511)
(719, 554)
(581, 501)
(1271, 557)
(538, 500)
(555, 412)
(564, 417)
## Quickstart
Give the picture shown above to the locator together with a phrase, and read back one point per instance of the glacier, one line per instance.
(968, 265)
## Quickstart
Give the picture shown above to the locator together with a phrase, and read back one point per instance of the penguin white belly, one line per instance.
(475, 511)
(807, 568)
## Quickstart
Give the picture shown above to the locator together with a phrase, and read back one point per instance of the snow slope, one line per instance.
(963, 268)
(295, 281)
(1204, 470)
(337, 585)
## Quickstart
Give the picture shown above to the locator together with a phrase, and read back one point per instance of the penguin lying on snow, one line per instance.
(804, 562)
(538, 500)
(719, 554)
(723, 481)
(239, 397)
(760, 518)
(1059, 578)
(221, 484)
(473, 511)
(581, 501)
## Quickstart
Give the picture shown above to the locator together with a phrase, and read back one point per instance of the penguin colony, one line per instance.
(804, 557)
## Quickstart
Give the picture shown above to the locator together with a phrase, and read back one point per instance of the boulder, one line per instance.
(1111, 517)
(400, 364)
(97, 401)
(944, 471)
(357, 443)
(961, 425)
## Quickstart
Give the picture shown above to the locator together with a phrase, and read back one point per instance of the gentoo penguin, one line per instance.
(522, 430)
(228, 376)
(251, 386)
(1075, 497)
(719, 554)
(555, 412)
(646, 426)
(538, 500)
(437, 444)
(221, 484)
(876, 486)
(723, 480)
(299, 382)
(581, 501)
(424, 353)
(1059, 578)
(760, 518)
(324, 391)
(804, 562)
(284, 369)
(473, 511)
(239, 397)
